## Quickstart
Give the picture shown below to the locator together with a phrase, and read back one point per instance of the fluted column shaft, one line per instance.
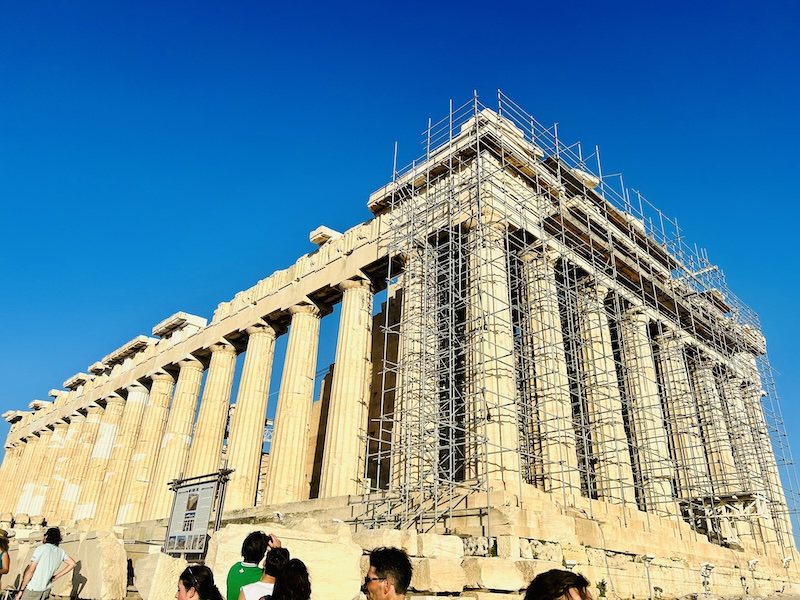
(22, 474)
(11, 463)
(651, 447)
(206, 448)
(553, 431)
(177, 437)
(345, 438)
(246, 437)
(62, 464)
(148, 446)
(116, 477)
(99, 458)
(714, 427)
(614, 476)
(491, 340)
(286, 480)
(77, 474)
(25, 502)
(680, 409)
(45, 472)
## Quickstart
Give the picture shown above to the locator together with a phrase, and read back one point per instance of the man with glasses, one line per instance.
(389, 575)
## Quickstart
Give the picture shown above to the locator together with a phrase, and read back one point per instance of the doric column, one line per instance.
(491, 354)
(680, 410)
(551, 427)
(76, 477)
(246, 437)
(62, 464)
(11, 463)
(177, 437)
(22, 472)
(206, 448)
(44, 475)
(415, 447)
(100, 456)
(286, 480)
(714, 428)
(116, 477)
(29, 489)
(148, 445)
(345, 437)
(614, 476)
(651, 448)
(752, 394)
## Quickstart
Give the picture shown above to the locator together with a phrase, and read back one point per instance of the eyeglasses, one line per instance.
(367, 579)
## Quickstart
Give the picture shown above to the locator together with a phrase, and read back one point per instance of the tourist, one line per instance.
(5, 561)
(558, 584)
(196, 582)
(275, 560)
(247, 571)
(43, 571)
(292, 582)
(389, 575)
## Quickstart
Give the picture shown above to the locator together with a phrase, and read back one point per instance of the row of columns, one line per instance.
(113, 463)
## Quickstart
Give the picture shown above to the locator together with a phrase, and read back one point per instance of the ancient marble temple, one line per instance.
(509, 320)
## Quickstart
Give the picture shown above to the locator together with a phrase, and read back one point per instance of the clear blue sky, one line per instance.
(161, 156)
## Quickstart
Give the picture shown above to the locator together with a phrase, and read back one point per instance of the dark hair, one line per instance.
(52, 536)
(275, 560)
(200, 578)
(254, 547)
(3, 544)
(292, 582)
(393, 564)
(553, 584)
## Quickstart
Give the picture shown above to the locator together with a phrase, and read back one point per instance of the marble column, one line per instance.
(116, 475)
(680, 408)
(177, 437)
(99, 458)
(206, 450)
(77, 474)
(553, 430)
(246, 437)
(345, 437)
(31, 486)
(22, 473)
(714, 429)
(11, 463)
(62, 464)
(650, 444)
(44, 475)
(148, 446)
(613, 473)
(490, 341)
(287, 480)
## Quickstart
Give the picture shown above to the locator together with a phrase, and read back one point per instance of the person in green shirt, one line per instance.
(246, 571)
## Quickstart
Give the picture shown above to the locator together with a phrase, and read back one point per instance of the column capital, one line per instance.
(222, 346)
(352, 284)
(190, 362)
(161, 376)
(305, 309)
(114, 399)
(262, 328)
(136, 386)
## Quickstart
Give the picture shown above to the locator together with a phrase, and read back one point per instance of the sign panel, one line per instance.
(188, 523)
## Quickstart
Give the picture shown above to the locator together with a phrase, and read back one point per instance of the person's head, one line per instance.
(196, 582)
(52, 536)
(275, 560)
(389, 574)
(558, 584)
(3, 544)
(292, 582)
(254, 547)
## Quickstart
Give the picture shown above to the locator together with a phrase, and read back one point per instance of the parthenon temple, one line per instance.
(526, 350)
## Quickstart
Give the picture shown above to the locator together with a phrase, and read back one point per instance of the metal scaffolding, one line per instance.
(544, 325)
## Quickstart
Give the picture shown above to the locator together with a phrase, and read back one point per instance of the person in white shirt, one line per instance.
(274, 561)
(44, 568)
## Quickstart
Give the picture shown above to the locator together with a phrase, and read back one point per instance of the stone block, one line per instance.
(434, 545)
(22, 520)
(438, 575)
(493, 574)
(38, 521)
(508, 547)
(156, 576)
(101, 572)
(369, 539)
